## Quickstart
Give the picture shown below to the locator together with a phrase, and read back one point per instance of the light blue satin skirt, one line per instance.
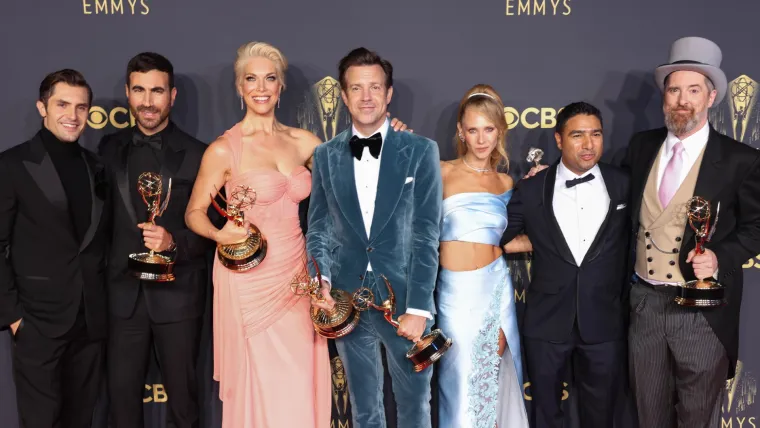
(477, 388)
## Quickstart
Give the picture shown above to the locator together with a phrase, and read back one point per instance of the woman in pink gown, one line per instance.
(273, 370)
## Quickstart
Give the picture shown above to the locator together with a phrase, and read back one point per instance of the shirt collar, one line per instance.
(693, 144)
(383, 130)
(564, 174)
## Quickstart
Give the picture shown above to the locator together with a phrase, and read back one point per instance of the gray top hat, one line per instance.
(695, 54)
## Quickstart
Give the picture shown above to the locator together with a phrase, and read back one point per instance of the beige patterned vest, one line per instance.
(661, 232)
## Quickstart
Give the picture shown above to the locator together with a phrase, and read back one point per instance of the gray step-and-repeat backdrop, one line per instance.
(538, 54)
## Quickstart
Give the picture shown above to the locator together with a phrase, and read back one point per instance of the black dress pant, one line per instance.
(57, 380)
(597, 370)
(128, 356)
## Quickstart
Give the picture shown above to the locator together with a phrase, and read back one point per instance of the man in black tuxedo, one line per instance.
(54, 232)
(165, 314)
(576, 217)
(681, 356)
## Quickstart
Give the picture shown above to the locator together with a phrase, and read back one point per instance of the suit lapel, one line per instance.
(640, 172)
(123, 180)
(341, 173)
(43, 172)
(394, 166)
(172, 157)
(708, 183)
(612, 192)
(94, 171)
(551, 220)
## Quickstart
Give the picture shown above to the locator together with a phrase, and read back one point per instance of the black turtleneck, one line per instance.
(68, 159)
(145, 157)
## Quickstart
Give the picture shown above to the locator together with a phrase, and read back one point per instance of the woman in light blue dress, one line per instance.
(480, 377)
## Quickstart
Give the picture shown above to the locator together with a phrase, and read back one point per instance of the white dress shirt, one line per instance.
(580, 210)
(366, 175)
(692, 147)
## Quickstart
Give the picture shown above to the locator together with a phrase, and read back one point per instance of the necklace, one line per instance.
(475, 169)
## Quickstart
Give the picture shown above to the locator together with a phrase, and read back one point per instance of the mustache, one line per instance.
(679, 109)
(148, 109)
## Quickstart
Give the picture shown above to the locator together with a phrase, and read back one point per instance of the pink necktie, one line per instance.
(672, 176)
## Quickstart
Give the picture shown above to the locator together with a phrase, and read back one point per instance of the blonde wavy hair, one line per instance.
(486, 101)
(260, 50)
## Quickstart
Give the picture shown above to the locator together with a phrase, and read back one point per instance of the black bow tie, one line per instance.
(154, 141)
(375, 143)
(574, 181)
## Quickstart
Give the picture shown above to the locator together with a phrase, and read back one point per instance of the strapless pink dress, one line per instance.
(273, 369)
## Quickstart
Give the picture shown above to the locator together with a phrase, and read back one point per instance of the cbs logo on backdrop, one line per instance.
(117, 117)
(531, 117)
(752, 263)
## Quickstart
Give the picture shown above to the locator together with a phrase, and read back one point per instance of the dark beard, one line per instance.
(679, 123)
(151, 126)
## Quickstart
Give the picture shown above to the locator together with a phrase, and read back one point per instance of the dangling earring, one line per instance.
(278, 102)
(461, 137)
(242, 105)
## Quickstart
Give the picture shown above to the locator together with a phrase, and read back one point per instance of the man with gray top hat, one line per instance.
(673, 348)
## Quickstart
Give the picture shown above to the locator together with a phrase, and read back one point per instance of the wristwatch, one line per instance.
(172, 246)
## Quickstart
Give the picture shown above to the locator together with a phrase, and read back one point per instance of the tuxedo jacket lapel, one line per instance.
(709, 184)
(640, 171)
(341, 173)
(124, 181)
(40, 167)
(613, 193)
(172, 158)
(394, 166)
(94, 171)
(551, 220)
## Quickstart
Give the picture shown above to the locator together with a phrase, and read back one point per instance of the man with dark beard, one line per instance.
(681, 356)
(165, 314)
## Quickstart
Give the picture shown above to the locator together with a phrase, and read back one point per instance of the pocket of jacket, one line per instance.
(37, 278)
(637, 305)
(14, 336)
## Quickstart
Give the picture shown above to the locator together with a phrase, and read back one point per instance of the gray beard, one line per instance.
(678, 127)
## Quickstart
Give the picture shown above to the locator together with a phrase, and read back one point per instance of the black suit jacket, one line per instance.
(560, 291)
(45, 269)
(184, 298)
(729, 174)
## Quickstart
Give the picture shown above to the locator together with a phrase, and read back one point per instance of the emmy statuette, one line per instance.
(429, 349)
(245, 255)
(334, 323)
(152, 266)
(701, 293)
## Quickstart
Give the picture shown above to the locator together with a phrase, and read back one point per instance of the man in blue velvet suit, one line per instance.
(375, 209)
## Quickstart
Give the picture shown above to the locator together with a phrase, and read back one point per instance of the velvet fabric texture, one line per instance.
(402, 245)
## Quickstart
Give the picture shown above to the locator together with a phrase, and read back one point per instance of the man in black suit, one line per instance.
(675, 350)
(575, 215)
(165, 314)
(54, 231)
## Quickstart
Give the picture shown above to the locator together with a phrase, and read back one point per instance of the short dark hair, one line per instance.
(149, 61)
(364, 56)
(574, 109)
(67, 76)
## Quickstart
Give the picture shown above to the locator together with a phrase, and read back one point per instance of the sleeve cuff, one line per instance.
(324, 278)
(419, 312)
